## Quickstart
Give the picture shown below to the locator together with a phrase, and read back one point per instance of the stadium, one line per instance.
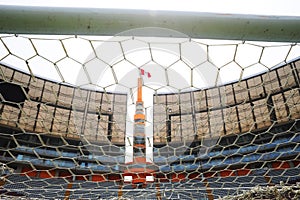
(107, 104)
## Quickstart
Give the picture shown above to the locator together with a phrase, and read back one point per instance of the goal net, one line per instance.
(222, 117)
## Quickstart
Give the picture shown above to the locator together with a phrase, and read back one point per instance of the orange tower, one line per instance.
(139, 147)
(139, 171)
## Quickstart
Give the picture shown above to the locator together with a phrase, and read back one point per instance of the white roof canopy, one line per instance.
(169, 64)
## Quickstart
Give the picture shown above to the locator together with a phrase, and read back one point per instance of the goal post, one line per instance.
(100, 21)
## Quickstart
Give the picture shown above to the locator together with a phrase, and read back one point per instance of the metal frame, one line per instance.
(99, 21)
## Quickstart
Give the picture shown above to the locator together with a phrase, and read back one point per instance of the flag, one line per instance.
(145, 73)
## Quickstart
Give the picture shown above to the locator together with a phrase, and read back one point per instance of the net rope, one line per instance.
(62, 138)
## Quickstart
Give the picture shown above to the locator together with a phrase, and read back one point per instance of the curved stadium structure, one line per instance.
(63, 141)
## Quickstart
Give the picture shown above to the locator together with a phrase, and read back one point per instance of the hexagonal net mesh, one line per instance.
(221, 118)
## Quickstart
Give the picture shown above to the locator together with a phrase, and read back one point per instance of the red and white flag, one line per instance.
(143, 72)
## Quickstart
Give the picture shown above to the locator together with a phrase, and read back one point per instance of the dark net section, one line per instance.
(61, 142)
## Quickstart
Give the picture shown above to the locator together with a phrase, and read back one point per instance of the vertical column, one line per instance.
(139, 170)
(139, 146)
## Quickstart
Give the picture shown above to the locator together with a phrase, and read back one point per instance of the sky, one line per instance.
(258, 7)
